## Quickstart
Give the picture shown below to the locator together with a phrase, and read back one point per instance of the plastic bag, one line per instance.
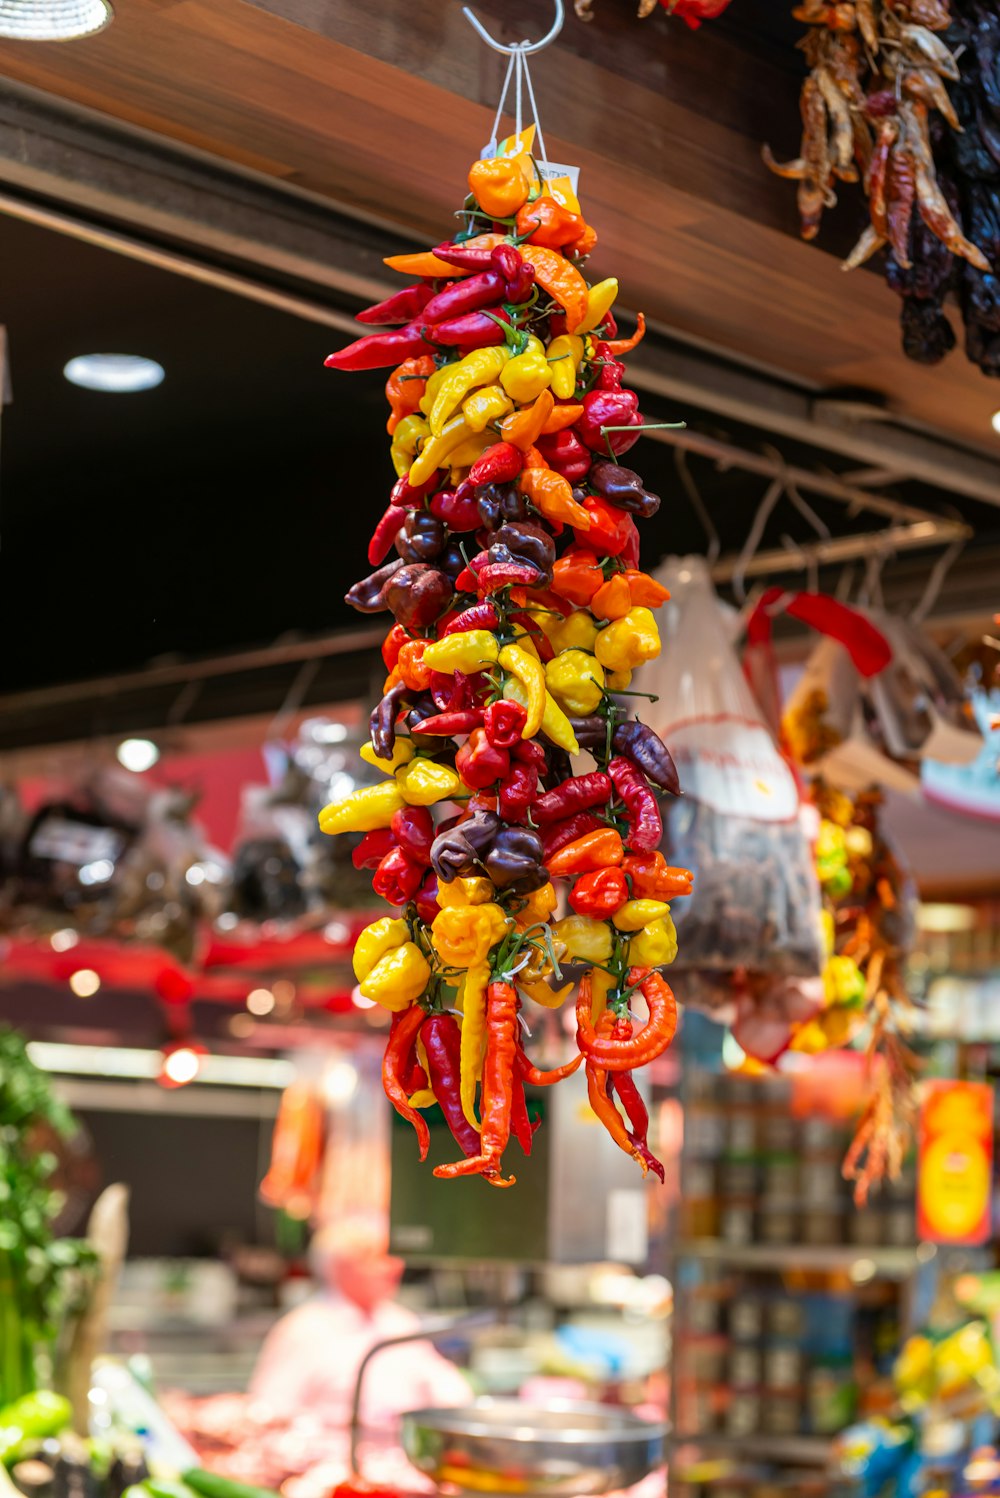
(755, 911)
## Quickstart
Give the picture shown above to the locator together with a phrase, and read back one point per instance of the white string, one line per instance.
(495, 133)
(534, 112)
(518, 64)
(753, 540)
(518, 72)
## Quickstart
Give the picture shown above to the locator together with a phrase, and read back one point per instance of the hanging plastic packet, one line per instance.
(755, 911)
(919, 700)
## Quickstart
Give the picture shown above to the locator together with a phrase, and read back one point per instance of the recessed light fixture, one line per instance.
(53, 20)
(995, 421)
(114, 374)
(137, 754)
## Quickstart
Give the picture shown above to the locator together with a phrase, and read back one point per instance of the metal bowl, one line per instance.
(561, 1449)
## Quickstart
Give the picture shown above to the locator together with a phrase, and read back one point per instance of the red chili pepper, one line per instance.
(645, 823)
(372, 849)
(502, 1029)
(446, 725)
(451, 692)
(413, 829)
(652, 878)
(565, 453)
(601, 1099)
(623, 1083)
(398, 877)
(379, 350)
(518, 792)
(480, 616)
(530, 752)
(609, 527)
(638, 1050)
(612, 371)
(466, 582)
(413, 1077)
(472, 330)
(499, 464)
(385, 534)
(457, 508)
(403, 307)
(426, 899)
(600, 893)
(537, 1078)
(497, 575)
(578, 793)
(604, 409)
(395, 1066)
(503, 720)
(479, 763)
(521, 1125)
(538, 638)
(466, 257)
(629, 553)
(393, 644)
(485, 290)
(561, 834)
(408, 496)
(442, 1045)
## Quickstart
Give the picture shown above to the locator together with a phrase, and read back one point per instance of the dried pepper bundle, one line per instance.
(866, 897)
(520, 613)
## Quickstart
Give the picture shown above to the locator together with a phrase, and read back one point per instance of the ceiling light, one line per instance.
(137, 754)
(53, 20)
(995, 421)
(180, 1066)
(84, 982)
(115, 374)
(260, 1001)
(340, 1081)
(62, 941)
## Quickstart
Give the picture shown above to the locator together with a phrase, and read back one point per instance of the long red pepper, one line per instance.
(495, 1101)
(651, 1041)
(442, 1043)
(395, 1069)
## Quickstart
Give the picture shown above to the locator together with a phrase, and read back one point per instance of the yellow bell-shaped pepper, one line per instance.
(365, 810)
(628, 642)
(438, 449)
(537, 907)
(578, 632)
(485, 406)
(481, 367)
(617, 681)
(425, 781)
(529, 673)
(564, 354)
(584, 938)
(375, 940)
(468, 651)
(459, 892)
(406, 439)
(464, 935)
(635, 914)
(398, 978)
(526, 375)
(600, 300)
(576, 681)
(402, 752)
(655, 945)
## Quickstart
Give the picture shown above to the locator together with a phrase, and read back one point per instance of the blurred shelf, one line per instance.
(890, 1263)
(809, 1450)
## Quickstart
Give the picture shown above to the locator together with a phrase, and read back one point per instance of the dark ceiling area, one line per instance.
(231, 505)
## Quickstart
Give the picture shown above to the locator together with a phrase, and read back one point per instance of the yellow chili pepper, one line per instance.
(481, 367)
(576, 681)
(600, 300)
(552, 495)
(468, 651)
(557, 726)
(564, 354)
(537, 907)
(577, 632)
(529, 674)
(425, 1098)
(525, 427)
(462, 892)
(375, 940)
(464, 935)
(434, 383)
(467, 452)
(402, 752)
(584, 938)
(365, 810)
(500, 186)
(629, 641)
(655, 945)
(526, 375)
(473, 1036)
(424, 781)
(438, 449)
(407, 437)
(617, 681)
(601, 984)
(485, 406)
(398, 978)
(635, 914)
(539, 992)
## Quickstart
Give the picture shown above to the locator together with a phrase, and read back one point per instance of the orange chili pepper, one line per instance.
(547, 222)
(561, 280)
(654, 879)
(625, 345)
(584, 244)
(602, 1104)
(534, 459)
(500, 185)
(552, 496)
(540, 598)
(576, 576)
(525, 426)
(410, 665)
(405, 387)
(424, 263)
(395, 676)
(613, 599)
(561, 417)
(646, 592)
(595, 850)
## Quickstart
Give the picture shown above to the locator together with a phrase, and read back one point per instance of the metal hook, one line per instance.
(524, 48)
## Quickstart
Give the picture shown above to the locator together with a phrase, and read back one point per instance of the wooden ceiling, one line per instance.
(381, 108)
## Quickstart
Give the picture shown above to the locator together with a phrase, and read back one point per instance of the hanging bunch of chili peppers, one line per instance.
(520, 612)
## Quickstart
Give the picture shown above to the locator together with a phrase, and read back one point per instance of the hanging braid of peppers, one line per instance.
(520, 612)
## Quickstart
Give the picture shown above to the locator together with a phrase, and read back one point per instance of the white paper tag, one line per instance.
(627, 1235)
(733, 766)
